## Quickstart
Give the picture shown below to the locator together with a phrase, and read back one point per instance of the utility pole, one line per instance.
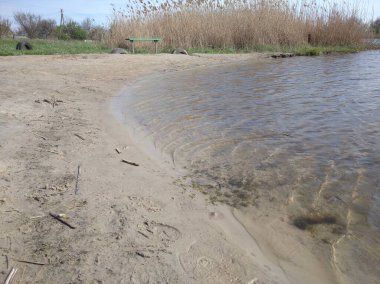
(62, 18)
(61, 23)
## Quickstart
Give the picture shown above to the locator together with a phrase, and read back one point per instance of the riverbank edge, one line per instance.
(55, 47)
(264, 230)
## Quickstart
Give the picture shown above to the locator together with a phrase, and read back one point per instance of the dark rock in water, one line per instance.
(119, 51)
(23, 45)
(179, 51)
(282, 55)
(304, 222)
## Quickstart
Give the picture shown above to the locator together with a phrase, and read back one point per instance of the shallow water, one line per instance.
(299, 134)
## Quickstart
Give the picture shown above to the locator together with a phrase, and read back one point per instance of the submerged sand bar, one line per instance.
(129, 224)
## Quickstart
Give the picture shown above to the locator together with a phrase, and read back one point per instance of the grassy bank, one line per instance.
(48, 47)
(241, 25)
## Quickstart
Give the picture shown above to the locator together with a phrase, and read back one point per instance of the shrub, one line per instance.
(375, 26)
(5, 27)
(46, 28)
(71, 30)
(93, 32)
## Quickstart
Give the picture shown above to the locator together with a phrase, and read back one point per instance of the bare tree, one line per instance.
(46, 28)
(376, 26)
(29, 23)
(94, 32)
(5, 27)
(87, 24)
(97, 33)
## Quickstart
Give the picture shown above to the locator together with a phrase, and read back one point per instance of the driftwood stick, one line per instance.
(9, 238)
(7, 261)
(130, 163)
(29, 262)
(55, 216)
(10, 276)
(77, 182)
(80, 137)
(141, 233)
(117, 150)
(139, 253)
(44, 138)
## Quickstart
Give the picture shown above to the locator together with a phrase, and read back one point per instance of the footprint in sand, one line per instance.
(209, 263)
(162, 232)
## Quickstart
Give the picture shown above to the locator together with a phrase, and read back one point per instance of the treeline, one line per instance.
(34, 26)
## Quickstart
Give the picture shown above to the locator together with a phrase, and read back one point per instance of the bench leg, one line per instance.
(155, 46)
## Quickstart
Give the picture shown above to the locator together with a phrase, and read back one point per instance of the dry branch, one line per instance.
(139, 253)
(80, 137)
(77, 181)
(44, 138)
(58, 218)
(29, 262)
(141, 233)
(130, 163)
(10, 276)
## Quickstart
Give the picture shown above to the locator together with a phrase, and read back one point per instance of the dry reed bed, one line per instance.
(240, 24)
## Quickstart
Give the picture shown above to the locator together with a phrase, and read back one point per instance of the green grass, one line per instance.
(48, 47)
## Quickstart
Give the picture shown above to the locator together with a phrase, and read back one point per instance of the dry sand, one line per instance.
(132, 224)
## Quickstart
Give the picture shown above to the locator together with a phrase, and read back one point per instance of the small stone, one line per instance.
(119, 51)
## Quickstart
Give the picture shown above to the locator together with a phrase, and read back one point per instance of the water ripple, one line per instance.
(303, 129)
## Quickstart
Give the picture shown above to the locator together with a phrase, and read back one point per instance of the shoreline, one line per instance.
(279, 249)
(133, 224)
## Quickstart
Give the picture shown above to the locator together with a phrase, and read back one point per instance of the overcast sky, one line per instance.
(99, 10)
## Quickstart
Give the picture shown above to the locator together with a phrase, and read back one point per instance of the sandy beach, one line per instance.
(61, 150)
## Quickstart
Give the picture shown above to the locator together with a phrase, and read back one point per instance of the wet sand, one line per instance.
(133, 224)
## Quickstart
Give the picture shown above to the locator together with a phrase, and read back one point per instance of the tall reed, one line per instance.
(240, 24)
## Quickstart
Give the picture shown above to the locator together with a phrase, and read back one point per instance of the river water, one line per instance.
(304, 132)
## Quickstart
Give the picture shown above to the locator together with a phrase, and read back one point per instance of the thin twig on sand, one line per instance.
(117, 150)
(40, 136)
(77, 181)
(10, 276)
(141, 233)
(55, 216)
(80, 137)
(29, 262)
(139, 253)
(130, 163)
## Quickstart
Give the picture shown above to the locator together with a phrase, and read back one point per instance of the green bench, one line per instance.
(153, 39)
